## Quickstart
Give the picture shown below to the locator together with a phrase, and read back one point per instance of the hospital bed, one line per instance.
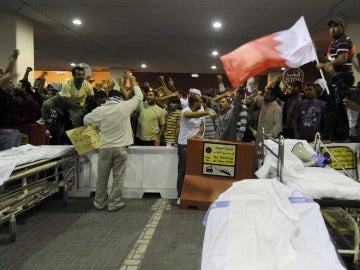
(328, 187)
(29, 174)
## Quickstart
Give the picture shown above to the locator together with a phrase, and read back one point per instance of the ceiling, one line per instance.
(174, 36)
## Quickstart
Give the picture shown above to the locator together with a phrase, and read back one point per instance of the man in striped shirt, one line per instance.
(232, 119)
(172, 121)
(338, 66)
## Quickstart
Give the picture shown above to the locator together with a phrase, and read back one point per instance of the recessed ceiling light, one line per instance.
(143, 65)
(77, 21)
(215, 53)
(194, 75)
(217, 25)
(213, 67)
(73, 64)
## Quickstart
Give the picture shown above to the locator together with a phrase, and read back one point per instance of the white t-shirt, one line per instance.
(189, 127)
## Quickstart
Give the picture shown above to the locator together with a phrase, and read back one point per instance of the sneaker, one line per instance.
(178, 201)
(116, 207)
(99, 206)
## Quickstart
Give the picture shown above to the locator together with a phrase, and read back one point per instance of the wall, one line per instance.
(60, 76)
(183, 81)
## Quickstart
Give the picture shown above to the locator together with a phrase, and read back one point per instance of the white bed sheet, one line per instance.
(314, 182)
(263, 224)
(15, 156)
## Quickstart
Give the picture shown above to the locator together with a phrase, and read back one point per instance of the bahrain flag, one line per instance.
(288, 48)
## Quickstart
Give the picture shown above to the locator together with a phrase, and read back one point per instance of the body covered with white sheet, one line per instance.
(261, 224)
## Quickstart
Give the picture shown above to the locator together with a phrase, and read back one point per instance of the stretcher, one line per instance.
(29, 174)
(328, 187)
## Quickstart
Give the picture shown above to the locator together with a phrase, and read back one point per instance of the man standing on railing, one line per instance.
(338, 67)
(71, 98)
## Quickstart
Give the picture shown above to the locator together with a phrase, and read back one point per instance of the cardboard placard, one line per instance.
(85, 139)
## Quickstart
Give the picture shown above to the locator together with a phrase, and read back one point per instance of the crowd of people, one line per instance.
(128, 112)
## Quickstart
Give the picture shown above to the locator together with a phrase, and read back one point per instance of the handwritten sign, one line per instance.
(219, 159)
(85, 139)
(344, 155)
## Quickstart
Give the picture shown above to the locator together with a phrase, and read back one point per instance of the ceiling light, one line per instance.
(213, 67)
(77, 21)
(143, 65)
(194, 75)
(215, 53)
(73, 64)
(217, 25)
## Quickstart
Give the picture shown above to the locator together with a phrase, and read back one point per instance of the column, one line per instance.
(17, 32)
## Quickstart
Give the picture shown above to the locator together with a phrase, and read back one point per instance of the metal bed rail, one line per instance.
(345, 210)
(279, 155)
(31, 183)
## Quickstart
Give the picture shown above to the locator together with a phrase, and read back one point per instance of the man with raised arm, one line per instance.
(113, 119)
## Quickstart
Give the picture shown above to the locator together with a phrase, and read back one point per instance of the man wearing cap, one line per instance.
(338, 66)
(113, 119)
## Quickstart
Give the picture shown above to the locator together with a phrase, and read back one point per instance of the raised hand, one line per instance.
(14, 55)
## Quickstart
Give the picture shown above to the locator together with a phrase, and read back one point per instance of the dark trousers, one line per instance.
(181, 167)
(336, 122)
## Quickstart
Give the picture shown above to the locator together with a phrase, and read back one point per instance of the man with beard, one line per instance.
(151, 122)
(232, 119)
(270, 115)
(338, 67)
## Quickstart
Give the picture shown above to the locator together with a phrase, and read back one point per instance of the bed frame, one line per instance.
(31, 183)
(346, 207)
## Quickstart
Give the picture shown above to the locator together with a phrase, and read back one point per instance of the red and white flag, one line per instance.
(288, 48)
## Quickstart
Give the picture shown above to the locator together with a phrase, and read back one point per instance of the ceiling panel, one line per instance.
(169, 36)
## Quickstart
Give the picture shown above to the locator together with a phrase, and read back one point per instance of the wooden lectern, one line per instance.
(211, 168)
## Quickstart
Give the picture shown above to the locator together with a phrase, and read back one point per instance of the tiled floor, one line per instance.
(147, 234)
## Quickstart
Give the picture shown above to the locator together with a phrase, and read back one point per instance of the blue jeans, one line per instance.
(9, 138)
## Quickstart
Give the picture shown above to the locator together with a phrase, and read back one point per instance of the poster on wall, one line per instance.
(219, 159)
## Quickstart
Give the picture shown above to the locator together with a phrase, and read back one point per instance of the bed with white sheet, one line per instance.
(261, 224)
(326, 186)
(315, 182)
(30, 174)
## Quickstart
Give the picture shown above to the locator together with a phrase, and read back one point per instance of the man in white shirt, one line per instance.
(191, 127)
(113, 119)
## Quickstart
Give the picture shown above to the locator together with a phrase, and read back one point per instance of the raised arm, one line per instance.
(9, 72)
(163, 86)
(12, 59)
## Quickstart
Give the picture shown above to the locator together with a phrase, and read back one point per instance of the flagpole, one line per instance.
(321, 73)
(323, 77)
